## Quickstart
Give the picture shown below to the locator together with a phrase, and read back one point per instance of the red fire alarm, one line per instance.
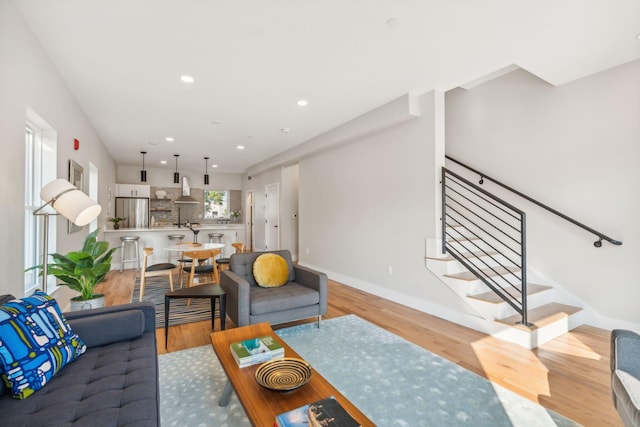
(76, 144)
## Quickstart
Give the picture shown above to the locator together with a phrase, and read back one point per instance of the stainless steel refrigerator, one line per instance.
(134, 210)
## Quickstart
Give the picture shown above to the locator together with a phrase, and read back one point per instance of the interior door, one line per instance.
(250, 216)
(272, 216)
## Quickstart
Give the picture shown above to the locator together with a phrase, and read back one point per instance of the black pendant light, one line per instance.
(176, 175)
(143, 173)
(206, 175)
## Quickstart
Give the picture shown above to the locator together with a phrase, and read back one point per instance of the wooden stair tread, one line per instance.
(541, 316)
(469, 276)
(493, 298)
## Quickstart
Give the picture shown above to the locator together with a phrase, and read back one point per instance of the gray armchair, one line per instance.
(625, 375)
(304, 295)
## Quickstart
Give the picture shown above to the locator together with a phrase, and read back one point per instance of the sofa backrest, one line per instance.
(6, 298)
(242, 264)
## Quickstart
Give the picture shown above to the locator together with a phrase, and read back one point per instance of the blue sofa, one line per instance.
(625, 375)
(114, 383)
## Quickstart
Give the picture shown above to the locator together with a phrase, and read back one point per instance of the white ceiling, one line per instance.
(253, 59)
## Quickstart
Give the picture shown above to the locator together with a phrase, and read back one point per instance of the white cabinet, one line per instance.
(133, 190)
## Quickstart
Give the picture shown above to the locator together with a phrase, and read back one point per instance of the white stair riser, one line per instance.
(538, 336)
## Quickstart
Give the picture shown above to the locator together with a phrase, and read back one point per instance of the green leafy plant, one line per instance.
(82, 270)
(115, 220)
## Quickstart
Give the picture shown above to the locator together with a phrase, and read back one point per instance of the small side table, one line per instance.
(211, 291)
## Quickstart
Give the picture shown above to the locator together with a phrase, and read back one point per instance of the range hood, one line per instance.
(186, 193)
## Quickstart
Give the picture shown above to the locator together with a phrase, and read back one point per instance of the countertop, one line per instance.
(174, 228)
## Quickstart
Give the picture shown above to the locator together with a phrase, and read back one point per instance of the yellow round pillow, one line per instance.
(270, 271)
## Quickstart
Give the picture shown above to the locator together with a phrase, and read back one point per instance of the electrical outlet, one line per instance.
(390, 269)
(307, 251)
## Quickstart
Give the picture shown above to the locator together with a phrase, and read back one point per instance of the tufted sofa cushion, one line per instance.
(115, 384)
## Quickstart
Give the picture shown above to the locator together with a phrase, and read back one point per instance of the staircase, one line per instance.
(482, 257)
(547, 317)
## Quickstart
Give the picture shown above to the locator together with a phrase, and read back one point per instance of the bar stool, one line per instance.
(127, 240)
(216, 238)
(174, 239)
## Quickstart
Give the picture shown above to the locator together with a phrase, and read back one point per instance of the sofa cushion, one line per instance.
(111, 385)
(270, 270)
(36, 343)
(627, 391)
(292, 295)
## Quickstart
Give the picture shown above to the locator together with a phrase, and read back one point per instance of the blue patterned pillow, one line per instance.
(36, 342)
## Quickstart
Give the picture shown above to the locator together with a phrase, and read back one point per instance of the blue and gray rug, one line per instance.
(394, 382)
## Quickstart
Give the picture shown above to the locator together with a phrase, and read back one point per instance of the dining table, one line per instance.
(191, 247)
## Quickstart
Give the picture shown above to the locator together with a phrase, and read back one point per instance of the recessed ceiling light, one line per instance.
(214, 166)
(169, 139)
(240, 147)
(187, 79)
(216, 122)
(152, 143)
(164, 162)
(303, 102)
(392, 22)
(285, 130)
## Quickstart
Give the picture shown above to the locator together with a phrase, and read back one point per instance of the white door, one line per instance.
(249, 218)
(272, 216)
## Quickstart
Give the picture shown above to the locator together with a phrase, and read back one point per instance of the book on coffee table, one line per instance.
(323, 413)
(256, 350)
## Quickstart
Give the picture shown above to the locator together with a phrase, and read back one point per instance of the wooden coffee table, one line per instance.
(260, 404)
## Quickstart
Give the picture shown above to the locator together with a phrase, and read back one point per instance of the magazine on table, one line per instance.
(323, 413)
(256, 350)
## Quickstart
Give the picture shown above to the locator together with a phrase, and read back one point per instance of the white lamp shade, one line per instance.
(70, 202)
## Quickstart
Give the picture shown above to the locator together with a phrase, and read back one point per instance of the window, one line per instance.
(40, 168)
(216, 204)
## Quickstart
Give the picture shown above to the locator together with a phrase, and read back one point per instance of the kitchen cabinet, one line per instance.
(133, 190)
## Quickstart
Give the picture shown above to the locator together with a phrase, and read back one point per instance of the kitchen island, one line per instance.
(158, 239)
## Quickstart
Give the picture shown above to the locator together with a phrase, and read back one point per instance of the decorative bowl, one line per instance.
(160, 194)
(284, 374)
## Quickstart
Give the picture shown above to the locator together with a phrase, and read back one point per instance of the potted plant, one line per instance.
(116, 222)
(235, 215)
(83, 270)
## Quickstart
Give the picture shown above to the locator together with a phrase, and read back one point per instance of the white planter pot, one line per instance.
(77, 305)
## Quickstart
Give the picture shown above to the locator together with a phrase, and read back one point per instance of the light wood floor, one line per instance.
(569, 375)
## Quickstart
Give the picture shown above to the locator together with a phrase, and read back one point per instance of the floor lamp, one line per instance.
(69, 202)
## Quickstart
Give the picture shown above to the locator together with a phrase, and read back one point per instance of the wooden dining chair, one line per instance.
(205, 270)
(161, 269)
(223, 263)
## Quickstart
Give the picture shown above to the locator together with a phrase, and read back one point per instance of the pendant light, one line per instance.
(143, 173)
(206, 175)
(176, 175)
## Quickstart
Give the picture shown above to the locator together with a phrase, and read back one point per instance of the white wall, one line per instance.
(576, 148)
(29, 80)
(289, 210)
(367, 206)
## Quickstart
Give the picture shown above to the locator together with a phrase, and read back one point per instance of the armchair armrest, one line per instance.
(106, 325)
(238, 296)
(315, 280)
(625, 350)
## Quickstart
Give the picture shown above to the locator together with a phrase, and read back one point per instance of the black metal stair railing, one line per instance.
(599, 235)
(488, 236)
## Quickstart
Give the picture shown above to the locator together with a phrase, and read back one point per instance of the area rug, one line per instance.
(154, 290)
(394, 382)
